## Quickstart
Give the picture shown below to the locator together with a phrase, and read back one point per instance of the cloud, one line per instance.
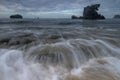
(65, 7)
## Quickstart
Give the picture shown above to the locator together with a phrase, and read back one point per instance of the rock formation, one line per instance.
(74, 17)
(90, 12)
(16, 16)
(117, 17)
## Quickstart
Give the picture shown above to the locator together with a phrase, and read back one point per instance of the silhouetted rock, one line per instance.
(90, 12)
(81, 17)
(117, 17)
(16, 16)
(74, 17)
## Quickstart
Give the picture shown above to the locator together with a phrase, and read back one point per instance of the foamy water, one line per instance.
(59, 50)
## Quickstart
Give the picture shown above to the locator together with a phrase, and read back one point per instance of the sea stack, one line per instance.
(90, 12)
(16, 16)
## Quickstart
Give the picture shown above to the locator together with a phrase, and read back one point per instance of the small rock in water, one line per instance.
(54, 37)
(17, 41)
(6, 40)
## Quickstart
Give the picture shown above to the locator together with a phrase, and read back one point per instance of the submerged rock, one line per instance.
(19, 41)
(16, 16)
(4, 41)
(54, 37)
(22, 39)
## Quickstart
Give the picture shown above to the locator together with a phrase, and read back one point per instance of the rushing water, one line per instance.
(59, 49)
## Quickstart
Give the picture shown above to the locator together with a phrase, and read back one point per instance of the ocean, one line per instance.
(59, 49)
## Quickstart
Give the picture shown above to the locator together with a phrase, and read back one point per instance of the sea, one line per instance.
(59, 49)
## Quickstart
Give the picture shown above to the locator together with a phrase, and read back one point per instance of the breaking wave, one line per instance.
(61, 51)
(75, 59)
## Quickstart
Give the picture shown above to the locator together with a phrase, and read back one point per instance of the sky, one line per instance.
(55, 8)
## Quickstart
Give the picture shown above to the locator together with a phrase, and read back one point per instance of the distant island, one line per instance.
(16, 16)
(117, 17)
(90, 12)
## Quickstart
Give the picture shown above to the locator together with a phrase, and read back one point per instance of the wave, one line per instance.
(63, 22)
(15, 22)
(60, 54)
(75, 59)
(97, 69)
(15, 65)
(72, 53)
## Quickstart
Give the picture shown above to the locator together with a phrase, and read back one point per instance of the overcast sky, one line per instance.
(55, 8)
